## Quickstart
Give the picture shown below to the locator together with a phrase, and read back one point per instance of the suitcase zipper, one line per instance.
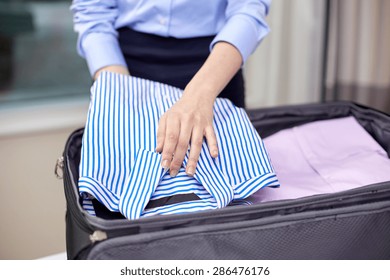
(59, 166)
(73, 205)
(59, 173)
(62, 164)
(98, 235)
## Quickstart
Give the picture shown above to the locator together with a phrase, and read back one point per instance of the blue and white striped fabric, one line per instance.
(121, 170)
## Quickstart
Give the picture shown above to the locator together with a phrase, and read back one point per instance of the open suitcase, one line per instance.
(353, 224)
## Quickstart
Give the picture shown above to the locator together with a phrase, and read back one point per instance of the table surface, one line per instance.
(59, 256)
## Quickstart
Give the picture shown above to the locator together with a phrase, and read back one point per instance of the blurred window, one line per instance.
(38, 57)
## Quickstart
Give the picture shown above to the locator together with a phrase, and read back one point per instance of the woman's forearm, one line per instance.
(222, 64)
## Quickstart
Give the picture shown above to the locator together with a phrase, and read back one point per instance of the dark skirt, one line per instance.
(172, 61)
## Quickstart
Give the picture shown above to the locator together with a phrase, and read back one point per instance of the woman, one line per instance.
(198, 46)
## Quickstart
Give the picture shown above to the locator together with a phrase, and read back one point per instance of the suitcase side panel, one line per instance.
(78, 229)
(359, 233)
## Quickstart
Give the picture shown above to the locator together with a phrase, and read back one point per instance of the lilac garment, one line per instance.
(323, 157)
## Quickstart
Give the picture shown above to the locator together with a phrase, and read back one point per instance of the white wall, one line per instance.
(286, 68)
(32, 202)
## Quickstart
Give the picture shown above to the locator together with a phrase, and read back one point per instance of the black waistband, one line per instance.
(157, 49)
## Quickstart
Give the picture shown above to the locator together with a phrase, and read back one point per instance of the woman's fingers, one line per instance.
(181, 150)
(173, 137)
(187, 120)
(196, 147)
(172, 129)
(211, 141)
(181, 146)
(161, 134)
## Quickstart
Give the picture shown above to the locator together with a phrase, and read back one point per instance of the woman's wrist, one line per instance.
(221, 65)
(200, 93)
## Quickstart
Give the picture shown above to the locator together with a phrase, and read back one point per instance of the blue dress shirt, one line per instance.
(238, 22)
(120, 168)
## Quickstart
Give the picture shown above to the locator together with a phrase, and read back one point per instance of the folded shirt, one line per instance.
(323, 157)
(120, 169)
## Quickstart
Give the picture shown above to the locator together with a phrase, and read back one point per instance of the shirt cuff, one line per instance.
(243, 33)
(102, 49)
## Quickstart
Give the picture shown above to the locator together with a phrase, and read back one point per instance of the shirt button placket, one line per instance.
(165, 17)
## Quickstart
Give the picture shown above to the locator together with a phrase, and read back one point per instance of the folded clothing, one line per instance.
(120, 168)
(323, 157)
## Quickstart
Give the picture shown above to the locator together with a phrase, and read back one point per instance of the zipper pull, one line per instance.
(59, 166)
(98, 235)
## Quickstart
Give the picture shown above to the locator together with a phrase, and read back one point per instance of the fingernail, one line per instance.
(173, 173)
(191, 171)
(215, 153)
(165, 164)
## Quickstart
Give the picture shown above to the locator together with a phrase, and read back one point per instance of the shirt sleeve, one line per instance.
(98, 39)
(245, 25)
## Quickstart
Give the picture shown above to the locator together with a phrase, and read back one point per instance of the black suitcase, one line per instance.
(353, 224)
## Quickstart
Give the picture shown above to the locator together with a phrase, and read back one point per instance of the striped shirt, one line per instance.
(120, 169)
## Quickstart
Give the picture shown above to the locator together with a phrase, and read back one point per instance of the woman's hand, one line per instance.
(191, 118)
(186, 123)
